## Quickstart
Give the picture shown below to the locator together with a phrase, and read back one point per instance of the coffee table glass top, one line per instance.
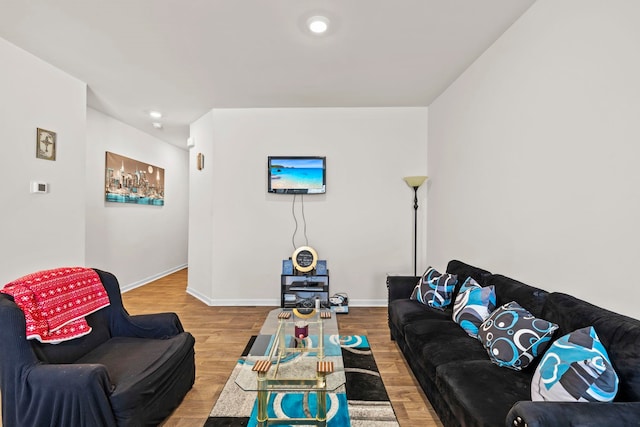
(294, 360)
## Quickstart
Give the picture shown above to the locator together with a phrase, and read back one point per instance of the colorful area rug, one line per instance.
(362, 401)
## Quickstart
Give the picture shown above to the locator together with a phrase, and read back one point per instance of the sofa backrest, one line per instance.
(72, 350)
(463, 271)
(507, 290)
(620, 336)
(101, 329)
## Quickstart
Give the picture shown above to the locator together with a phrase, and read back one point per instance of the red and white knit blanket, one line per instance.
(56, 301)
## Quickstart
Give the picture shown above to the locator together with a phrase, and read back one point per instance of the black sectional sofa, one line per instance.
(466, 389)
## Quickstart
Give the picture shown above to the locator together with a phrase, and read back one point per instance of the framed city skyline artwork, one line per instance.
(132, 181)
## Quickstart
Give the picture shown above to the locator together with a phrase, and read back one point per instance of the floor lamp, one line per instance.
(415, 182)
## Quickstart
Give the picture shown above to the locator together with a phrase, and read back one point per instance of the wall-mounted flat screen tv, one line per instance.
(297, 175)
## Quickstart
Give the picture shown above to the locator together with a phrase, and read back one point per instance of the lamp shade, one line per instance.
(415, 181)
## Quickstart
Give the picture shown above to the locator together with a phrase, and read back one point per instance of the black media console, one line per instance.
(303, 290)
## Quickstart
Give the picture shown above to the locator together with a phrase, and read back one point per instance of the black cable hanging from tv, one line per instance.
(304, 221)
(293, 212)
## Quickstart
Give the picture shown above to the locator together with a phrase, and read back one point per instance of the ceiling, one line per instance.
(186, 57)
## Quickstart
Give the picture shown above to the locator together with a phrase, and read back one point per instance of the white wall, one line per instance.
(362, 226)
(201, 210)
(533, 154)
(137, 243)
(39, 231)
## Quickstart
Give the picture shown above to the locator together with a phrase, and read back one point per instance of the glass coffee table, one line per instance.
(296, 351)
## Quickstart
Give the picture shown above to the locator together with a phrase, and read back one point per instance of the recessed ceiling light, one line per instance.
(318, 24)
(157, 125)
(155, 114)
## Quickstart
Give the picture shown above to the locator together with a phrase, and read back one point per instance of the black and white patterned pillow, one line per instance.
(435, 289)
(513, 337)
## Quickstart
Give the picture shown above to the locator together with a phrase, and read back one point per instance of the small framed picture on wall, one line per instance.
(46, 144)
(200, 162)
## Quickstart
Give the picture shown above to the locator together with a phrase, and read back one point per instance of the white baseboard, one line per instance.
(150, 279)
(368, 302)
(199, 296)
(249, 302)
(275, 302)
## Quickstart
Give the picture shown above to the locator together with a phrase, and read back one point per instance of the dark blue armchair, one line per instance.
(129, 371)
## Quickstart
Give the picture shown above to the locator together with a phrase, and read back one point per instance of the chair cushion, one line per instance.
(143, 371)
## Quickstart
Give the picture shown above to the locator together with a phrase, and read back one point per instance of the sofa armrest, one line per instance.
(65, 394)
(157, 325)
(401, 287)
(548, 414)
(122, 324)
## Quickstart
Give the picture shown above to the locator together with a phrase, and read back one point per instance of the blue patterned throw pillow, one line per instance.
(435, 289)
(473, 305)
(514, 337)
(576, 368)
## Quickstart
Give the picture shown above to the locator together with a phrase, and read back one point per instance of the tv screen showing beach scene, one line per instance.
(297, 175)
